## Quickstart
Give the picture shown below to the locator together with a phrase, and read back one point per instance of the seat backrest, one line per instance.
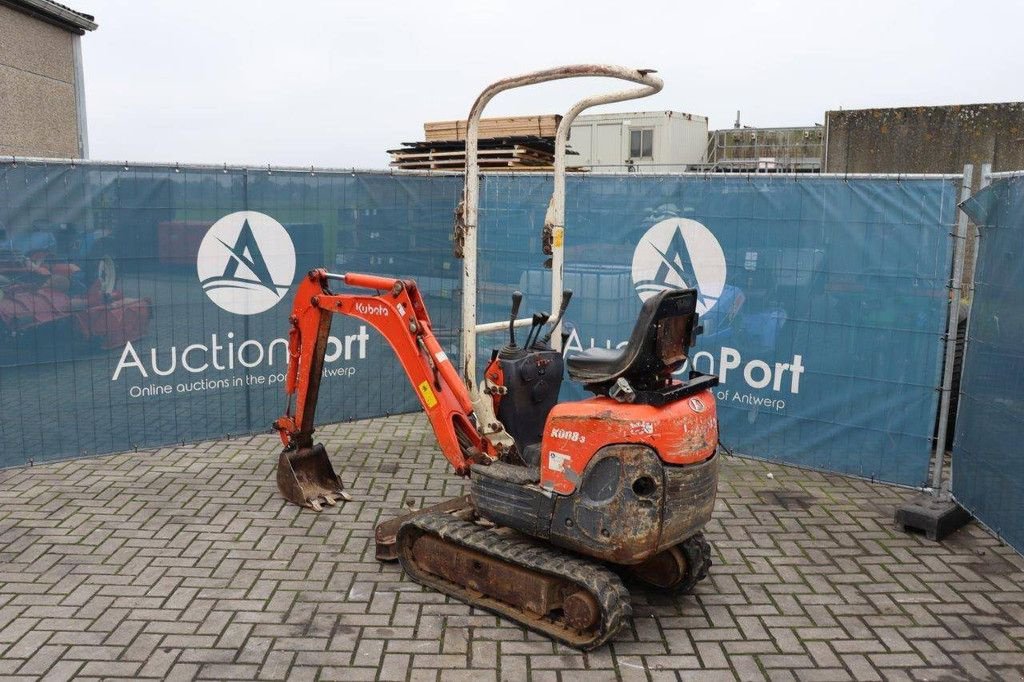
(664, 330)
(661, 337)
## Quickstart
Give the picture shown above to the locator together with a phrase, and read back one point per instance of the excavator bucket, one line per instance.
(306, 477)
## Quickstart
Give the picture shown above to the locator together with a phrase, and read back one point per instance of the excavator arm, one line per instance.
(396, 310)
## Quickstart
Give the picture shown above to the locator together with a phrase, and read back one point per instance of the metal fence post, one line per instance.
(984, 181)
(934, 512)
(956, 285)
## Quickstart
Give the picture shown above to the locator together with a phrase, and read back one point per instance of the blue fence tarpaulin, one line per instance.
(988, 463)
(148, 305)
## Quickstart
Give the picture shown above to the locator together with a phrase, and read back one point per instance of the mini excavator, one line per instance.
(565, 497)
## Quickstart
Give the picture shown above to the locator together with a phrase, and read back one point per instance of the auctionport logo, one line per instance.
(679, 253)
(246, 262)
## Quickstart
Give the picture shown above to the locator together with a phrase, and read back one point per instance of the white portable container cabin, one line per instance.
(652, 141)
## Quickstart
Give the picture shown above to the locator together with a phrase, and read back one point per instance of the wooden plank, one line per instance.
(499, 169)
(451, 163)
(483, 153)
(519, 154)
(539, 143)
(508, 153)
(533, 123)
(492, 119)
(459, 157)
(541, 126)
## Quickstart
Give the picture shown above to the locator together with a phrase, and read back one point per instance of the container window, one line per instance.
(641, 143)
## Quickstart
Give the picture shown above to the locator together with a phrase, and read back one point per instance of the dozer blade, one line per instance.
(386, 532)
(306, 477)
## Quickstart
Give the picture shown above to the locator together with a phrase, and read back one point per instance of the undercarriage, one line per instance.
(563, 595)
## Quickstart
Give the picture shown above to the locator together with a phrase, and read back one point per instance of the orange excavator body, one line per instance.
(682, 432)
(626, 478)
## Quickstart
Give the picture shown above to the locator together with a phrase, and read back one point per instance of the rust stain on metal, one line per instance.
(535, 593)
(664, 569)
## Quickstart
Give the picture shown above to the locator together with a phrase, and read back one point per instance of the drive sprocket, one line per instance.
(677, 569)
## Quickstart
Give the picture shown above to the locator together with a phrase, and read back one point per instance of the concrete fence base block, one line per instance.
(935, 517)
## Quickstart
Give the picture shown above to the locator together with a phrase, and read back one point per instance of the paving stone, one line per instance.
(62, 670)
(183, 563)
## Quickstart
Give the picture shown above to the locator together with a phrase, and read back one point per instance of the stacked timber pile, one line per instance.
(519, 143)
(515, 126)
(495, 153)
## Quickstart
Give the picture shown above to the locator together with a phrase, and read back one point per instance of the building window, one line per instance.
(641, 144)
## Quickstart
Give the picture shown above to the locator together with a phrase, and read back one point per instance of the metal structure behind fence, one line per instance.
(824, 298)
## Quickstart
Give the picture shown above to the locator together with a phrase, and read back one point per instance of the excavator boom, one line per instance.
(396, 310)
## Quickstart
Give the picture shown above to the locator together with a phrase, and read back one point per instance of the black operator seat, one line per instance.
(663, 332)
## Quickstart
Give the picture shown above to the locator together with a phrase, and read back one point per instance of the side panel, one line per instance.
(611, 517)
(690, 493)
(628, 506)
(683, 432)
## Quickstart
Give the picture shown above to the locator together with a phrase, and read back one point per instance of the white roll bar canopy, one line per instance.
(466, 218)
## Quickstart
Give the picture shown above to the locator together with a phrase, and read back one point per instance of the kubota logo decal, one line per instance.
(679, 253)
(246, 262)
(365, 309)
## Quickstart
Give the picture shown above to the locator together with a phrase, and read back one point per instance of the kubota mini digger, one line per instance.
(563, 496)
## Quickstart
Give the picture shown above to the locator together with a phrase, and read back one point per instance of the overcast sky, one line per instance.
(337, 83)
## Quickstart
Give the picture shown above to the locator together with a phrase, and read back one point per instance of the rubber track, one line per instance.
(612, 597)
(694, 547)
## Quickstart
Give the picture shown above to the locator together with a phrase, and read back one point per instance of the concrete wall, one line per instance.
(925, 139)
(38, 106)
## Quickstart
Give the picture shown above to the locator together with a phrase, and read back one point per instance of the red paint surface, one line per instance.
(679, 433)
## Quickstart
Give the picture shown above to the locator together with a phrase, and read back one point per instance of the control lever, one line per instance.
(517, 299)
(566, 295)
(539, 320)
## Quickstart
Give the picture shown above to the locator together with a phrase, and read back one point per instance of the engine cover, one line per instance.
(682, 432)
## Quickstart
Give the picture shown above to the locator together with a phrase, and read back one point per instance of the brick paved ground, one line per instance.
(184, 563)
